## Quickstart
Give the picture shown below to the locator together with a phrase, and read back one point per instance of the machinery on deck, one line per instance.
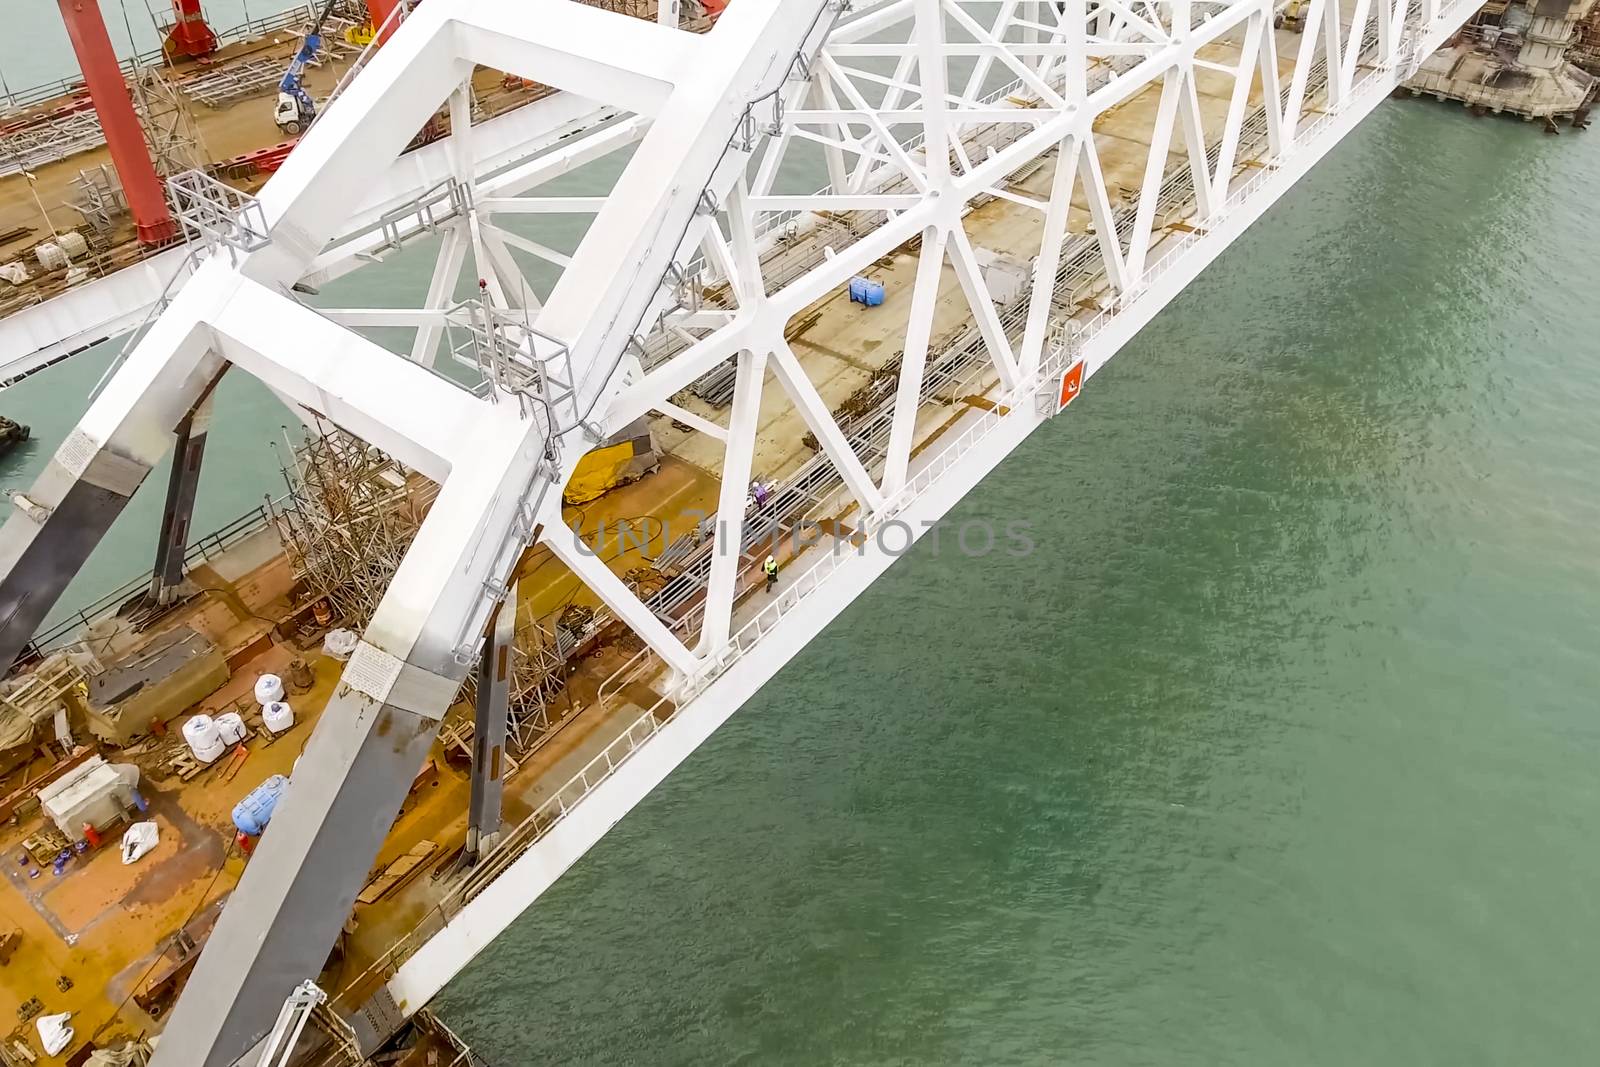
(295, 108)
(622, 459)
(189, 36)
(1292, 17)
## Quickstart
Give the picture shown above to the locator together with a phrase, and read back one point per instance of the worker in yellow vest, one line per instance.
(771, 569)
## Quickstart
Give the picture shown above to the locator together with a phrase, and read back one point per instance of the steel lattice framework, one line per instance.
(921, 111)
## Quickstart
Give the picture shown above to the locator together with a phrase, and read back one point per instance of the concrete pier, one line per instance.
(1512, 58)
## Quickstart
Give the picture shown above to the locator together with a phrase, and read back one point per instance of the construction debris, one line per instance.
(398, 873)
(351, 514)
(133, 1053)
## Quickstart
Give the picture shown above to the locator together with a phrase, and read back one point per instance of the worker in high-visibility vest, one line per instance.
(771, 569)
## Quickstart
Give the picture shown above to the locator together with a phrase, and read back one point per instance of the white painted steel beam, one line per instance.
(103, 309)
(428, 625)
(347, 379)
(441, 291)
(1138, 290)
(814, 410)
(596, 54)
(581, 560)
(728, 534)
(913, 361)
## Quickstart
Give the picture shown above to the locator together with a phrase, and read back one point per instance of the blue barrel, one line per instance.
(866, 291)
(252, 814)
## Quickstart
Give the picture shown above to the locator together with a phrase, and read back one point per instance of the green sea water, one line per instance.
(1280, 747)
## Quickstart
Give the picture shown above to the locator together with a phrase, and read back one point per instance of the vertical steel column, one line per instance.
(55, 526)
(182, 487)
(492, 707)
(124, 137)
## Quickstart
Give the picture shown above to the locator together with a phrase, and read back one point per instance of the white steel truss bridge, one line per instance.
(1030, 181)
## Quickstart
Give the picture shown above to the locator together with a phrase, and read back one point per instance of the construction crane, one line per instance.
(295, 108)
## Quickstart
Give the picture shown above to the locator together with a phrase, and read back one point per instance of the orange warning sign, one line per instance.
(1071, 383)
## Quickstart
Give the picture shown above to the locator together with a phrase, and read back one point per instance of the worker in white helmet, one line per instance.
(771, 569)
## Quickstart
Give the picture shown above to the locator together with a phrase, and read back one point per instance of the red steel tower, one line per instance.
(189, 35)
(124, 136)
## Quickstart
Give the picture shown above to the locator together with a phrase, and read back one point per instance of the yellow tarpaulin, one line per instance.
(598, 472)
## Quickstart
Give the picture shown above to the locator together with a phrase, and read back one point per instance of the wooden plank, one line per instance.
(398, 872)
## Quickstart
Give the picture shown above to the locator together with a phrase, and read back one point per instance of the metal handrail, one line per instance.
(1171, 252)
(189, 264)
(516, 842)
(603, 766)
(615, 754)
(213, 544)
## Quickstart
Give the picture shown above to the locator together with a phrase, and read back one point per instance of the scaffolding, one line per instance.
(169, 128)
(349, 516)
(537, 705)
(48, 140)
(99, 199)
(351, 513)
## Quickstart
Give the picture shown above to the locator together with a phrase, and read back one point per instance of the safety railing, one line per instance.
(511, 847)
(1171, 252)
(602, 767)
(606, 764)
(611, 758)
(746, 637)
(184, 270)
(69, 630)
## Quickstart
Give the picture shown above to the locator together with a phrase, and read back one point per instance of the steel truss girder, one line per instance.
(703, 107)
(1136, 291)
